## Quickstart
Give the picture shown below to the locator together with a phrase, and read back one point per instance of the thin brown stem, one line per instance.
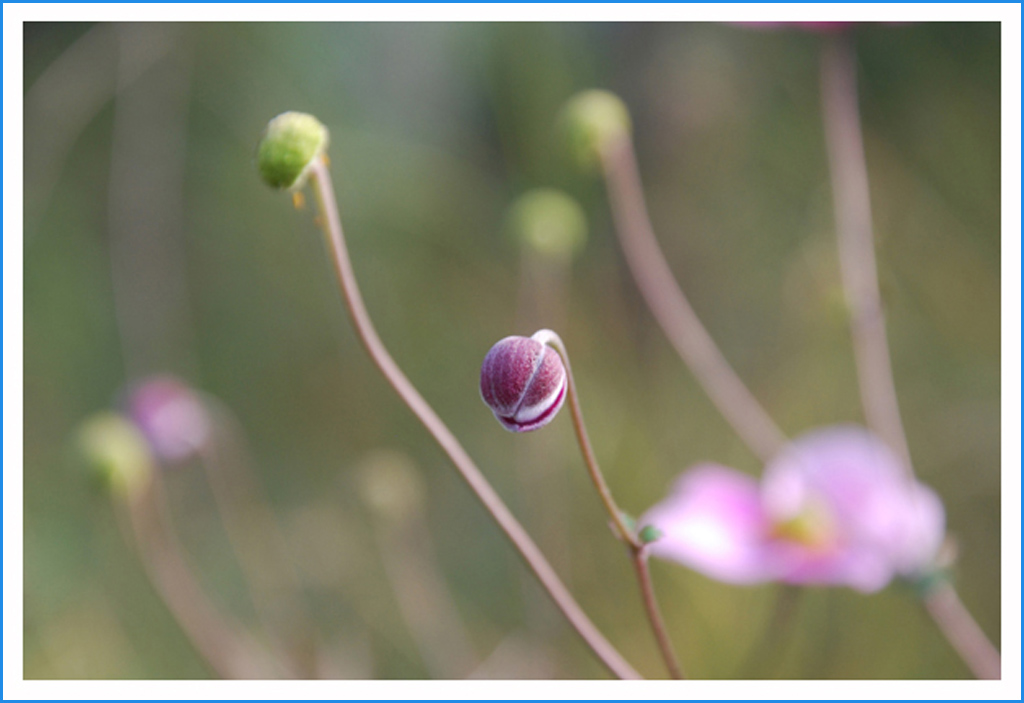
(850, 192)
(533, 557)
(963, 633)
(849, 173)
(673, 311)
(222, 643)
(637, 548)
(643, 575)
(622, 531)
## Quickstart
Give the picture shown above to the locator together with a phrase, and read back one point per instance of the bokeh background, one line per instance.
(152, 246)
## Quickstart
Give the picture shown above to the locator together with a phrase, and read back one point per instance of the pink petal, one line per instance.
(713, 522)
(883, 522)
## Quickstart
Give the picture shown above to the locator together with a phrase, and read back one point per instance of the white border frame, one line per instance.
(15, 687)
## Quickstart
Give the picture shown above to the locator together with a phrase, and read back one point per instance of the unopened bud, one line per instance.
(592, 120)
(523, 382)
(115, 453)
(172, 417)
(549, 222)
(290, 145)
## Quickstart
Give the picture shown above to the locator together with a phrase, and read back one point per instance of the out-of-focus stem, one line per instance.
(850, 192)
(224, 645)
(776, 635)
(963, 633)
(542, 302)
(849, 174)
(671, 308)
(321, 181)
(256, 539)
(146, 202)
(638, 553)
(427, 606)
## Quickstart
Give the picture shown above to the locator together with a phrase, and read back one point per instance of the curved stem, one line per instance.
(228, 650)
(849, 173)
(622, 530)
(643, 575)
(637, 549)
(963, 633)
(255, 537)
(673, 311)
(850, 191)
(467, 469)
(424, 599)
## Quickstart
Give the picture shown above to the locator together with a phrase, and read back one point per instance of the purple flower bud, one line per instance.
(523, 382)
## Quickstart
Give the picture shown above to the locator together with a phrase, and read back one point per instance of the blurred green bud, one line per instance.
(288, 148)
(591, 120)
(650, 534)
(390, 485)
(115, 453)
(549, 222)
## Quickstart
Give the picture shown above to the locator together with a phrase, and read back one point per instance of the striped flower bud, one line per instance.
(523, 382)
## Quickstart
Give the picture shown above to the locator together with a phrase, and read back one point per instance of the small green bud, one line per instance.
(549, 222)
(288, 148)
(649, 534)
(115, 453)
(591, 120)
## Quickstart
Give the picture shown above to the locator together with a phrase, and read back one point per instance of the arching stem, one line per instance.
(637, 549)
(849, 172)
(673, 311)
(531, 554)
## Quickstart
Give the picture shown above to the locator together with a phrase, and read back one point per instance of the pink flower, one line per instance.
(834, 508)
(171, 415)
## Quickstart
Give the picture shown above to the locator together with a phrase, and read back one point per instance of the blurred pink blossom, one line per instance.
(171, 415)
(836, 507)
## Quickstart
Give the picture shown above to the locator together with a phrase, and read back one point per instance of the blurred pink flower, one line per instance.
(834, 508)
(171, 415)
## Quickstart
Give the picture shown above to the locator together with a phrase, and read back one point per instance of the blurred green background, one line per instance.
(152, 246)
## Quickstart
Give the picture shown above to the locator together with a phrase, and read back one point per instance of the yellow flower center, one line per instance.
(812, 527)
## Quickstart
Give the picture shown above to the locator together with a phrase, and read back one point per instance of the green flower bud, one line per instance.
(549, 222)
(115, 453)
(591, 120)
(288, 148)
